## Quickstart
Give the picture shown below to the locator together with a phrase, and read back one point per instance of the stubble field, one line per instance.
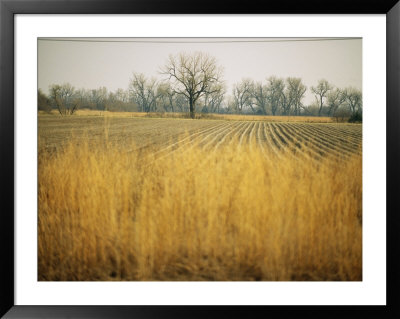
(125, 198)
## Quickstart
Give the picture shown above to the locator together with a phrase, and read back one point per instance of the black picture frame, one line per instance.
(8, 8)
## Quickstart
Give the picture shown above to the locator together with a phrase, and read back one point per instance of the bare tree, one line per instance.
(275, 92)
(143, 92)
(116, 101)
(260, 95)
(181, 103)
(342, 114)
(64, 98)
(294, 93)
(321, 91)
(334, 99)
(122, 95)
(242, 95)
(215, 99)
(212, 101)
(284, 102)
(43, 102)
(193, 75)
(230, 105)
(98, 98)
(353, 99)
(166, 96)
(83, 96)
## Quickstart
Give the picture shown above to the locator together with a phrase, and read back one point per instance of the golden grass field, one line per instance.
(125, 198)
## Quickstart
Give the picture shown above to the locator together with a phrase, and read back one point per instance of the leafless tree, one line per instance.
(213, 101)
(98, 98)
(181, 103)
(230, 105)
(242, 95)
(334, 99)
(353, 99)
(294, 93)
(342, 114)
(122, 95)
(43, 102)
(64, 98)
(143, 92)
(275, 93)
(260, 96)
(193, 75)
(166, 96)
(321, 91)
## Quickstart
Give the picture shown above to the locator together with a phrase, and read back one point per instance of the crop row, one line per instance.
(163, 136)
(297, 140)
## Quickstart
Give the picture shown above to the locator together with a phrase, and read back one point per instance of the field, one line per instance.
(315, 139)
(214, 116)
(136, 198)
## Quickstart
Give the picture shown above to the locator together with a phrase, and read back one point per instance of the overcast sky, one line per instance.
(93, 63)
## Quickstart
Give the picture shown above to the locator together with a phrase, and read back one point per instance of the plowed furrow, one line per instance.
(306, 144)
(238, 133)
(252, 135)
(261, 138)
(335, 138)
(219, 136)
(320, 145)
(341, 134)
(274, 141)
(351, 131)
(229, 136)
(188, 140)
(244, 133)
(324, 139)
(296, 144)
(163, 138)
(266, 142)
(286, 147)
(208, 137)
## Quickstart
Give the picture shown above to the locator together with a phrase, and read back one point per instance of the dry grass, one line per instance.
(234, 214)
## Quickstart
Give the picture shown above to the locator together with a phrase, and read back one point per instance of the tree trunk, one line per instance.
(191, 105)
(320, 107)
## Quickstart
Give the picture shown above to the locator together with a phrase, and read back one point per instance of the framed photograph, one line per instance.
(166, 160)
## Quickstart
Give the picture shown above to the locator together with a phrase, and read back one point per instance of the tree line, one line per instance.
(194, 83)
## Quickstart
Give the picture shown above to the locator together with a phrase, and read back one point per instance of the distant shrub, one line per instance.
(356, 118)
(341, 115)
(43, 102)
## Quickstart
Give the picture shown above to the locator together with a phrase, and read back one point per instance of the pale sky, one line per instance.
(91, 65)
